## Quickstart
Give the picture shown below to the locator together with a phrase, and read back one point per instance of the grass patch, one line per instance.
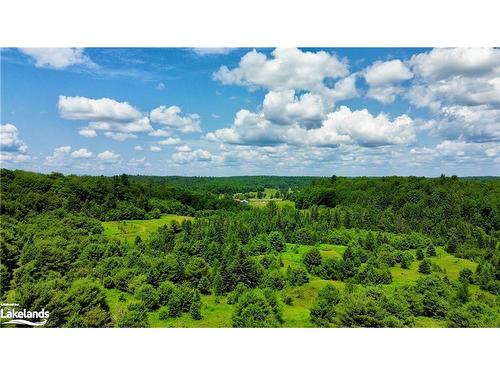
(129, 229)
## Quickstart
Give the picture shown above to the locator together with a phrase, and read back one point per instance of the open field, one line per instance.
(129, 229)
(254, 202)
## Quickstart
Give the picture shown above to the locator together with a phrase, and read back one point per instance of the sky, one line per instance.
(251, 111)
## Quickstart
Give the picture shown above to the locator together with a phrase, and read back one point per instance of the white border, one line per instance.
(250, 351)
(233, 23)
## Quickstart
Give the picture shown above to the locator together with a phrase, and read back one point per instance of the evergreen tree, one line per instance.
(195, 309)
(424, 266)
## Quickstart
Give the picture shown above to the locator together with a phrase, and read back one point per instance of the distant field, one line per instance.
(129, 229)
(254, 202)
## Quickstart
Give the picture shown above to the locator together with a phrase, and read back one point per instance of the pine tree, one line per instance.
(195, 309)
(420, 254)
(424, 266)
(431, 251)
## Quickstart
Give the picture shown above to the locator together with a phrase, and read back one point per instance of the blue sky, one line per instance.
(248, 111)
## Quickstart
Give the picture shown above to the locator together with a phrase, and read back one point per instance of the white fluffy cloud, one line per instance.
(383, 78)
(288, 69)
(382, 73)
(12, 149)
(170, 141)
(102, 110)
(340, 127)
(160, 133)
(473, 123)
(456, 76)
(108, 156)
(118, 120)
(171, 117)
(185, 155)
(87, 133)
(284, 107)
(138, 148)
(58, 58)
(59, 156)
(441, 63)
(154, 148)
(9, 140)
(82, 153)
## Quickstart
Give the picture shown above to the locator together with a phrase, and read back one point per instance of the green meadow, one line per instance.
(129, 229)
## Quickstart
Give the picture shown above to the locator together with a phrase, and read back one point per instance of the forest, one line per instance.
(263, 251)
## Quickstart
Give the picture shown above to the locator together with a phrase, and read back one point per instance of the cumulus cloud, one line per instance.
(58, 58)
(101, 110)
(82, 153)
(383, 78)
(287, 69)
(456, 76)
(59, 156)
(284, 107)
(340, 127)
(12, 148)
(118, 120)
(382, 73)
(108, 156)
(9, 140)
(170, 141)
(441, 63)
(473, 123)
(186, 155)
(160, 86)
(160, 133)
(138, 148)
(87, 133)
(154, 148)
(171, 117)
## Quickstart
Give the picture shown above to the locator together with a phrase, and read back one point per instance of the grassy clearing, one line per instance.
(129, 229)
(254, 202)
(217, 313)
